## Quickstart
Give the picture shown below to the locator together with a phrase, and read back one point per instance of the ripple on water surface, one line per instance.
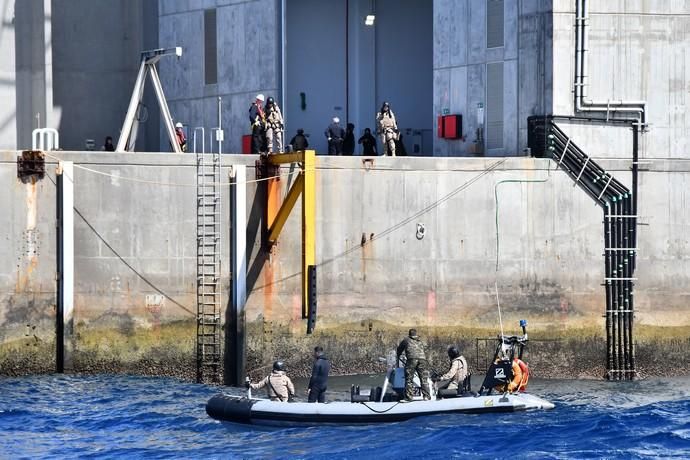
(135, 417)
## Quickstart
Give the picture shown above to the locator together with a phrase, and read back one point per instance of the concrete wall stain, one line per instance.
(368, 296)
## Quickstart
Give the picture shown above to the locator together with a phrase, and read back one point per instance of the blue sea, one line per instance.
(108, 416)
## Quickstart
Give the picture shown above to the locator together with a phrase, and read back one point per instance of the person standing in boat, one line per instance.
(278, 385)
(457, 373)
(415, 362)
(319, 377)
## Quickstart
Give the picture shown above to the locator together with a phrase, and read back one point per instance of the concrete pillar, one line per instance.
(235, 339)
(34, 69)
(65, 267)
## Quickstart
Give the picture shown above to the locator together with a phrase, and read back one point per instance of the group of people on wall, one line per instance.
(268, 131)
(268, 128)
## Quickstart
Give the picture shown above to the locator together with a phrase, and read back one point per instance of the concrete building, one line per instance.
(494, 62)
(71, 65)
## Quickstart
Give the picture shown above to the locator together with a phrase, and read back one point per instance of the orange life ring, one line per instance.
(524, 369)
(517, 377)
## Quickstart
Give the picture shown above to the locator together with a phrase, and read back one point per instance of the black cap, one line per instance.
(278, 366)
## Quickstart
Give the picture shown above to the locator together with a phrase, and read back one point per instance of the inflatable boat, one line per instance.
(502, 391)
(265, 412)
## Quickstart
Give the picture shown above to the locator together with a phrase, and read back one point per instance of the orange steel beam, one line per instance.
(285, 209)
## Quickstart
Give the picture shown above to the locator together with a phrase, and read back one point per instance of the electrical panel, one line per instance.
(450, 126)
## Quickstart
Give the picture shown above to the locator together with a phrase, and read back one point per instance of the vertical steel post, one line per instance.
(624, 287)
(609, 314)
(619, 291)
(311, 321)
(65, 267)
(308, 225)
(235, 338)
(633, 243)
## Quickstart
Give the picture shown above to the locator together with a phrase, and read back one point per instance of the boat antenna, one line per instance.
(498, 303)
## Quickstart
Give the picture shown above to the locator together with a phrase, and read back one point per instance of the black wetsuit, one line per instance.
(319, 379)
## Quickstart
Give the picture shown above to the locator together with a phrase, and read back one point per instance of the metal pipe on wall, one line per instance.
(582, 104)
(607, 284)
(619, 229)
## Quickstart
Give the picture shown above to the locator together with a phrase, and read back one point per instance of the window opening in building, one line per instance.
(210, 47)
(494, 106)
(494, 23)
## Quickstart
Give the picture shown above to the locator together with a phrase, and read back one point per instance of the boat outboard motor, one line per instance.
(500, 372)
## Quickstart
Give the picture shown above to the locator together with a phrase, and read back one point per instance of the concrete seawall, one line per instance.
(135, 263)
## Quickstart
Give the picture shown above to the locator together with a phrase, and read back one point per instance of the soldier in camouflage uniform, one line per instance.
(413, 348)
(274, 126)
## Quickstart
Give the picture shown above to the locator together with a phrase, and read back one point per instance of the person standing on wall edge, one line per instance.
(299, 141)
(415, 362)
(387, 129)
(349, 140)
(257, 118)
(274, 126)
(335, 134)
(181, 138)
(368, 143)
(108, 145)
(319, 377)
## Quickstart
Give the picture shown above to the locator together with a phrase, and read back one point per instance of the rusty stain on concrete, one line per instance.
(28, 260)
(430, 307)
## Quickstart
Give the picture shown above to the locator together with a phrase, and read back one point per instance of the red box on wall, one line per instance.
(247, 144)
(452, 126)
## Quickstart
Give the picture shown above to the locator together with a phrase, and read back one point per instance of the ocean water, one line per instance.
(61, 416)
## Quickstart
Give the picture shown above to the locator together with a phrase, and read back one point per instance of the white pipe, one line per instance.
(576, 77)
(583, 51)
(203, 139)
(66, 169)
(131, 110)
(283, 64)
(220, 126)
(582, 104)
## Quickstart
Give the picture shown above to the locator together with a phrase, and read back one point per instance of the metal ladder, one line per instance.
(208, 236)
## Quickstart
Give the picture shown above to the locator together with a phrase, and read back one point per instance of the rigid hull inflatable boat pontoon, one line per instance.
(382, 404)
(266, 412)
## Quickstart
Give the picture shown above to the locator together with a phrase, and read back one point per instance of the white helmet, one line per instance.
(260, 97)
(336, 120)
(178, 125)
